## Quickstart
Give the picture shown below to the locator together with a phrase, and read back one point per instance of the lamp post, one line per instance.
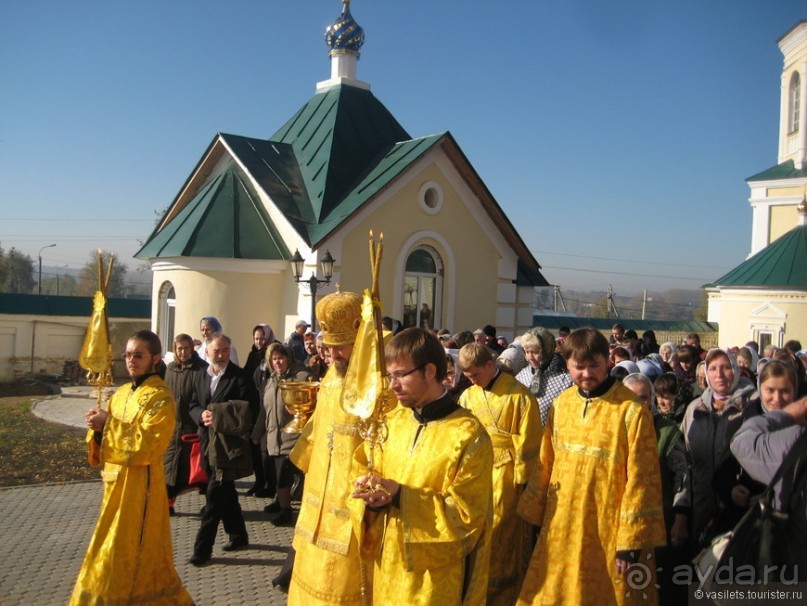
(39, 287)
(297, 267)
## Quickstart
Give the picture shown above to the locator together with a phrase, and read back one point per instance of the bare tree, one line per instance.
(88, 278)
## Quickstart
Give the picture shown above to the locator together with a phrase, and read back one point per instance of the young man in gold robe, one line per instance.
(327, 568)
(425, 514)
(130, 559)
(510, 414)
(596, 493)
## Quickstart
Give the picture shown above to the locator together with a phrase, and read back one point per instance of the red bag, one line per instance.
(197, 474)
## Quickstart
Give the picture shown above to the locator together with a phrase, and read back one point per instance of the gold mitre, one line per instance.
(339, 316)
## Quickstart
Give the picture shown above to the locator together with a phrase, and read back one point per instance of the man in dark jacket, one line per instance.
(221, 382)
(296, 341)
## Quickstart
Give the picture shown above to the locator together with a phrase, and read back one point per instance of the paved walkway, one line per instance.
(46, 530)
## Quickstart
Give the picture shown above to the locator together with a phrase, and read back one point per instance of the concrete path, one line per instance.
(46, 530)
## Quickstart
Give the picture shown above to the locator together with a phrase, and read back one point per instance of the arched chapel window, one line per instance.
(166, 317)
(422, 288)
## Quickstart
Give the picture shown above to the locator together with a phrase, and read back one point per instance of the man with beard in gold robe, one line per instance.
(425, 514)
(510, 414)
(327, 568)
(596, 492)
(130, 559)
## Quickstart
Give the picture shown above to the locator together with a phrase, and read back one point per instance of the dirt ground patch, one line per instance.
(35, 451)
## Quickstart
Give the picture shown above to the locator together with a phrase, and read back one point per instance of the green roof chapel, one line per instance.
(330, 159)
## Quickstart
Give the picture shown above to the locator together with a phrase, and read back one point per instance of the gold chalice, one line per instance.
(301, 398)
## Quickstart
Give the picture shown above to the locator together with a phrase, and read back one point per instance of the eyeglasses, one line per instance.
(397, 376)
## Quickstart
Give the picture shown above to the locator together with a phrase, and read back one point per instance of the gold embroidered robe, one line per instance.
(596, 491)
(434, 547)
(509, 412)
(327, 568)
(130, 558)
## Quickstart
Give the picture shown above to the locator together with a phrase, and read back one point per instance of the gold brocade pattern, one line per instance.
(510, 415)
(438, 539)
(596, 491)
(326, 565)
(130, 559)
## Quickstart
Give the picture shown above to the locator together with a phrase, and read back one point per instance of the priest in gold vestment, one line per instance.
(130, 558)
(327, 568)
(510, 414)
(424, 516)
(596, 493)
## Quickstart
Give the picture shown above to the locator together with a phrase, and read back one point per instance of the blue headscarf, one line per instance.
(213, 322)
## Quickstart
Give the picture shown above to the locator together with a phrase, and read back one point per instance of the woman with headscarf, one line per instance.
(544, 375)
(179, 376)
(747, 359)
(709, 424)
(776, 387)
(624, 368)
(210, 326)
(667, 350)
(262, 337)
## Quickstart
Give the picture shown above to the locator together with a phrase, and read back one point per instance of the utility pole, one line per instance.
(611, 304)
(644, 302)
(39, 288)
(58, 273)
(558, 295)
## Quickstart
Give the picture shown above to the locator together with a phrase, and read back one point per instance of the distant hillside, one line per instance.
(676, 304)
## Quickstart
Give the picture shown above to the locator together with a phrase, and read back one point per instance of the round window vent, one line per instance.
(431, 197)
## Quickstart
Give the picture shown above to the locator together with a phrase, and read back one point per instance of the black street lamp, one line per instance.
(297, 267)
(39, 287)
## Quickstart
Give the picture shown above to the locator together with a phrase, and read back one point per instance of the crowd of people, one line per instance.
(539, 471)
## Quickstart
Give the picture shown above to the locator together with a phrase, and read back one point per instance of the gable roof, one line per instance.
(381, 173)
(336, 154)
(225, 219)
(781, 264)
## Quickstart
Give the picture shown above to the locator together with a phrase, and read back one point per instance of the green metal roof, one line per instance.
(555, 322)
(225, 219)
(336, 136)
(334, 155)
(781, 264)
(785, 170)
(45, 305)
(380, 174)
(274, 167)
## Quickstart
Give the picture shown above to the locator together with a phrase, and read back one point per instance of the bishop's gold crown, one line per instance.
(339, 316)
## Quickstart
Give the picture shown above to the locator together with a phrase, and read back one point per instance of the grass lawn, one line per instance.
(34, 451)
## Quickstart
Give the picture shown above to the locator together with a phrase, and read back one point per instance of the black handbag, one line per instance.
(751, 552)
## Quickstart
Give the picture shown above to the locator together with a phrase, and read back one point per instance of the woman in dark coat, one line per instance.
(269, 428)
(179, 378)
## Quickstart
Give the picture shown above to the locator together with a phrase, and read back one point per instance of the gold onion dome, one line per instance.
(344, 34)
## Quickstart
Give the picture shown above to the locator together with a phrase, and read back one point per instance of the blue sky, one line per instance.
(615, 134)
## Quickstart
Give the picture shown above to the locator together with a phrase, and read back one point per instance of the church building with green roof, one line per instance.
(340, 167)
(764, 299)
